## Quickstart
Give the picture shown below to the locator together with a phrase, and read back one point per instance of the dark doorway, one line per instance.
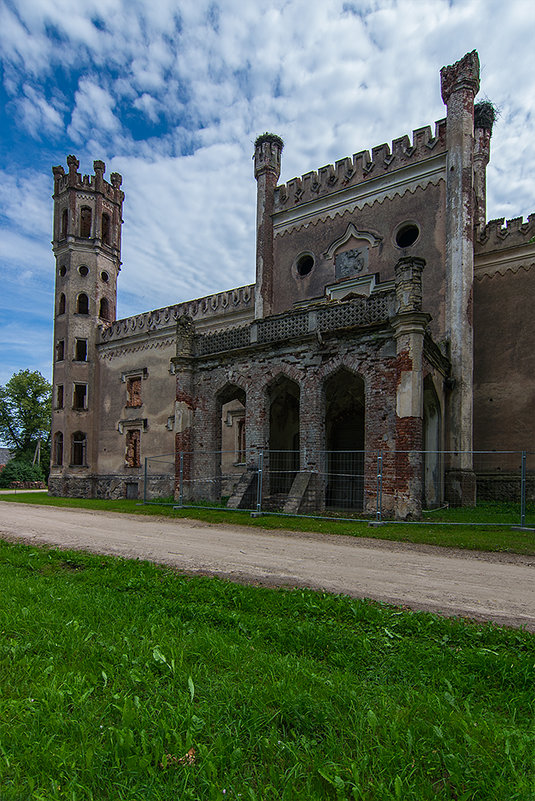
(344, 429)
(283, 434)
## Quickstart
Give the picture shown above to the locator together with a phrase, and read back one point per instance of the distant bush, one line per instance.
(18, 470)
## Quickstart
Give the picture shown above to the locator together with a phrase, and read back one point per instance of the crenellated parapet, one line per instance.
(219, 309)
(90, 183)
(500, 234)
(362, 166)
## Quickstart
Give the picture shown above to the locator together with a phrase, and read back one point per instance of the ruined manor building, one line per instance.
(387, 316)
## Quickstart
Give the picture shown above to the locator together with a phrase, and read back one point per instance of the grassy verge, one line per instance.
(123, 680)
(480, 537)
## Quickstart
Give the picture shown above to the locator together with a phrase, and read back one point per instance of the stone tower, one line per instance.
(87, 246)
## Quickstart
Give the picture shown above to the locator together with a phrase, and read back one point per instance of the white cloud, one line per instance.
(93, 110)
(331, 77)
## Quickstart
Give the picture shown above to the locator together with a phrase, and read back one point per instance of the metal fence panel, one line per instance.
(446, 487)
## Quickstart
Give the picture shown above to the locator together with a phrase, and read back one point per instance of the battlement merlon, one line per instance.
(89, 183)
(363, 166)
(501, 234)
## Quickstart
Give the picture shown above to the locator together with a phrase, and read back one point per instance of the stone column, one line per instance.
(484, 115)
(267, 166)
(409, 330)
(460, 84)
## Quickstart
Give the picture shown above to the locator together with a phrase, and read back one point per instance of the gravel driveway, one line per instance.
(498, 587)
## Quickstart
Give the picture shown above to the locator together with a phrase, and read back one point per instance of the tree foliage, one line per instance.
(16, 470)
(25, 409)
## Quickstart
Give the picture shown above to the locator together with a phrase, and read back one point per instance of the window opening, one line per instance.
(104, 311)
(304, 264)
(63, 271)
(64, 223)
(80, 350)
(79, 401)
(105, 277)
(58, 449)
(82, 304)
(133, 391)
(407, 235)
(61, 307)
(85, 222)
(240, 441)
(79, 443)
(83, 270)
(106, 229)
(59, 396)
(133, 449)
(60, 350)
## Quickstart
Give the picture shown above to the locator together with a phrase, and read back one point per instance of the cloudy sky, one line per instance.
(172, 94)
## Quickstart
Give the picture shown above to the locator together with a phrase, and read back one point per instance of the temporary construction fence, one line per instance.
(478, 487)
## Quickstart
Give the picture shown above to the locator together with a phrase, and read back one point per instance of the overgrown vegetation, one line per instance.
(19, 470)
(124, 680)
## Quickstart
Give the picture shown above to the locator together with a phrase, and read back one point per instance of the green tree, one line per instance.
(25, 410)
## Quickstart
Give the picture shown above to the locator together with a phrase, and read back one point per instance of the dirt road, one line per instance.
(497, 587)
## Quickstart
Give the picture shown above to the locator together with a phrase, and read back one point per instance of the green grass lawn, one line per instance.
(125, 680)
(461, 535)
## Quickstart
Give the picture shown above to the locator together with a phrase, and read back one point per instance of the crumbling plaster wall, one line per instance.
(504, 342)
(424, 206)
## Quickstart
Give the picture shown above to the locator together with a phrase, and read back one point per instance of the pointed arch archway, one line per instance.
(344, 393)
(284, 432)
(231, 436)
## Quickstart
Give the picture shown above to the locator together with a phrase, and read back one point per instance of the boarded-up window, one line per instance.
(60, 350)
(79, 398)
(106, 229)
(79, 441)
(85, 222)
(80, 350)
(58, 448)
(133, 451)
(133, 389)
(82, 304)
(59, 396)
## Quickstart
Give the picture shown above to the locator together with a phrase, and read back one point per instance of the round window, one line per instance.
(105, 277)
(407, 235)
(83, 270)
(304, 264)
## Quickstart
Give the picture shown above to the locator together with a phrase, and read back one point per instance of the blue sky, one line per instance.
(172, 95)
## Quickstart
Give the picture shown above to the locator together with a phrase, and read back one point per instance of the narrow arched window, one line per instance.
(85, 222)
(79, 443)
(106, 228)
(64, 223)
(82, 303)
(61, 305)
(104, 311)
(58, 449)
